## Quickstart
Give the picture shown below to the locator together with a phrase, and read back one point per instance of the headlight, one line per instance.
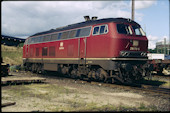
(124, 53)
(144, 54)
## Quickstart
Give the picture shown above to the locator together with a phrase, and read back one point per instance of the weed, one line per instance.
(67, 91)
(142, 107)
(11, 55)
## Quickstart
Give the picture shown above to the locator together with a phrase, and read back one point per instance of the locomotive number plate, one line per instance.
(135, 48)
(61, 46)
(135, 43)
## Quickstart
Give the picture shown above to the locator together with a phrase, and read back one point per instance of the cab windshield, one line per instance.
(138, 30)
(126, 29)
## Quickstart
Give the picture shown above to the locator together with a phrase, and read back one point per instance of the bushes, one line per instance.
(16, 68)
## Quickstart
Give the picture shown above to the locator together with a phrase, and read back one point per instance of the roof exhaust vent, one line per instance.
(129, 20)
(94, 18)
(87, 18)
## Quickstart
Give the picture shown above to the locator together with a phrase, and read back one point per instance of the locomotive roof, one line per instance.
(87, 23)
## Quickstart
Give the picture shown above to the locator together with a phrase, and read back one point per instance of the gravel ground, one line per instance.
(60, 94)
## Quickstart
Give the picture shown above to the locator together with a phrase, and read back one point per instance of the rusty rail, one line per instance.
(8, 104)
(140, 87)
(5, 81)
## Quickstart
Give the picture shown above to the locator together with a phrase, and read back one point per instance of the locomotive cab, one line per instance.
(128, 51)
(130, 41)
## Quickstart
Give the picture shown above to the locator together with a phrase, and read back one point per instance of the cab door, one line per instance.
(82, 50)
(27, 49)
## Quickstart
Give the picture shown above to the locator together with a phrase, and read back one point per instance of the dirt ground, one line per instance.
(60, 94)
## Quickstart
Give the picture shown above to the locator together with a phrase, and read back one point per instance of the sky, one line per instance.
(25, 18)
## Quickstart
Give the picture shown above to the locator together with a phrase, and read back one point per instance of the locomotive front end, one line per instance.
(130, 46)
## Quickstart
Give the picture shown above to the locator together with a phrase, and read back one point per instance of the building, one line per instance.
(163, 47)
(11, 41)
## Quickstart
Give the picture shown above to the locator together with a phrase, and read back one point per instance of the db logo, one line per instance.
(61, 46)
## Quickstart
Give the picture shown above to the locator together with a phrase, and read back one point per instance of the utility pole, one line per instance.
(133, 8)
(165, 46)
(169, 47)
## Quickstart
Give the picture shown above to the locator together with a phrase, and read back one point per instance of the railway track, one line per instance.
(162, 91)
(155, 90)
(162, 76)
(145, 87)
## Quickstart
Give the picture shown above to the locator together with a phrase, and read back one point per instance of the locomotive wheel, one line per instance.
(99, 75)
(127, 78)
(129, 81)
(64, 70)
(124, 77)
(33, 68)
(73, 73)
(39, 66)
(90, 75)
(112, 80)
(26, 68)
(93, 75)
(102, 75)
(38, 70)
(29, 67)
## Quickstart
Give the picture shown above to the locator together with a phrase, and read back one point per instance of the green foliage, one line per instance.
(152, 50)
(12, 55)
(20, 45)
(143, 107)
(157, 50)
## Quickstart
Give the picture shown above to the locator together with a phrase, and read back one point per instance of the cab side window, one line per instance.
(85, 32)
(72, 33)
(96, 31)
(54, 36)
(65, 35)
(78, 33)
(46, 38)
(59, 36)
(44, 51)
(102, 29)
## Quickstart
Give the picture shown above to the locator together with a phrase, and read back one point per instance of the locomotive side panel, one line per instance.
(98, 47)
(98, 44)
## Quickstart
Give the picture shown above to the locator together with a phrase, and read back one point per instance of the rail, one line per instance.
(140, 87)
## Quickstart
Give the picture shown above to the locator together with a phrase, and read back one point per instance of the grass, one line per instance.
(165, 82)
(109, 107)
(143, 107)
(166, 85)
(161, 82)
(11, 55)
(58, 98)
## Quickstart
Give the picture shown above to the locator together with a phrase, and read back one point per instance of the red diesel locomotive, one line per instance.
(110, 49)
